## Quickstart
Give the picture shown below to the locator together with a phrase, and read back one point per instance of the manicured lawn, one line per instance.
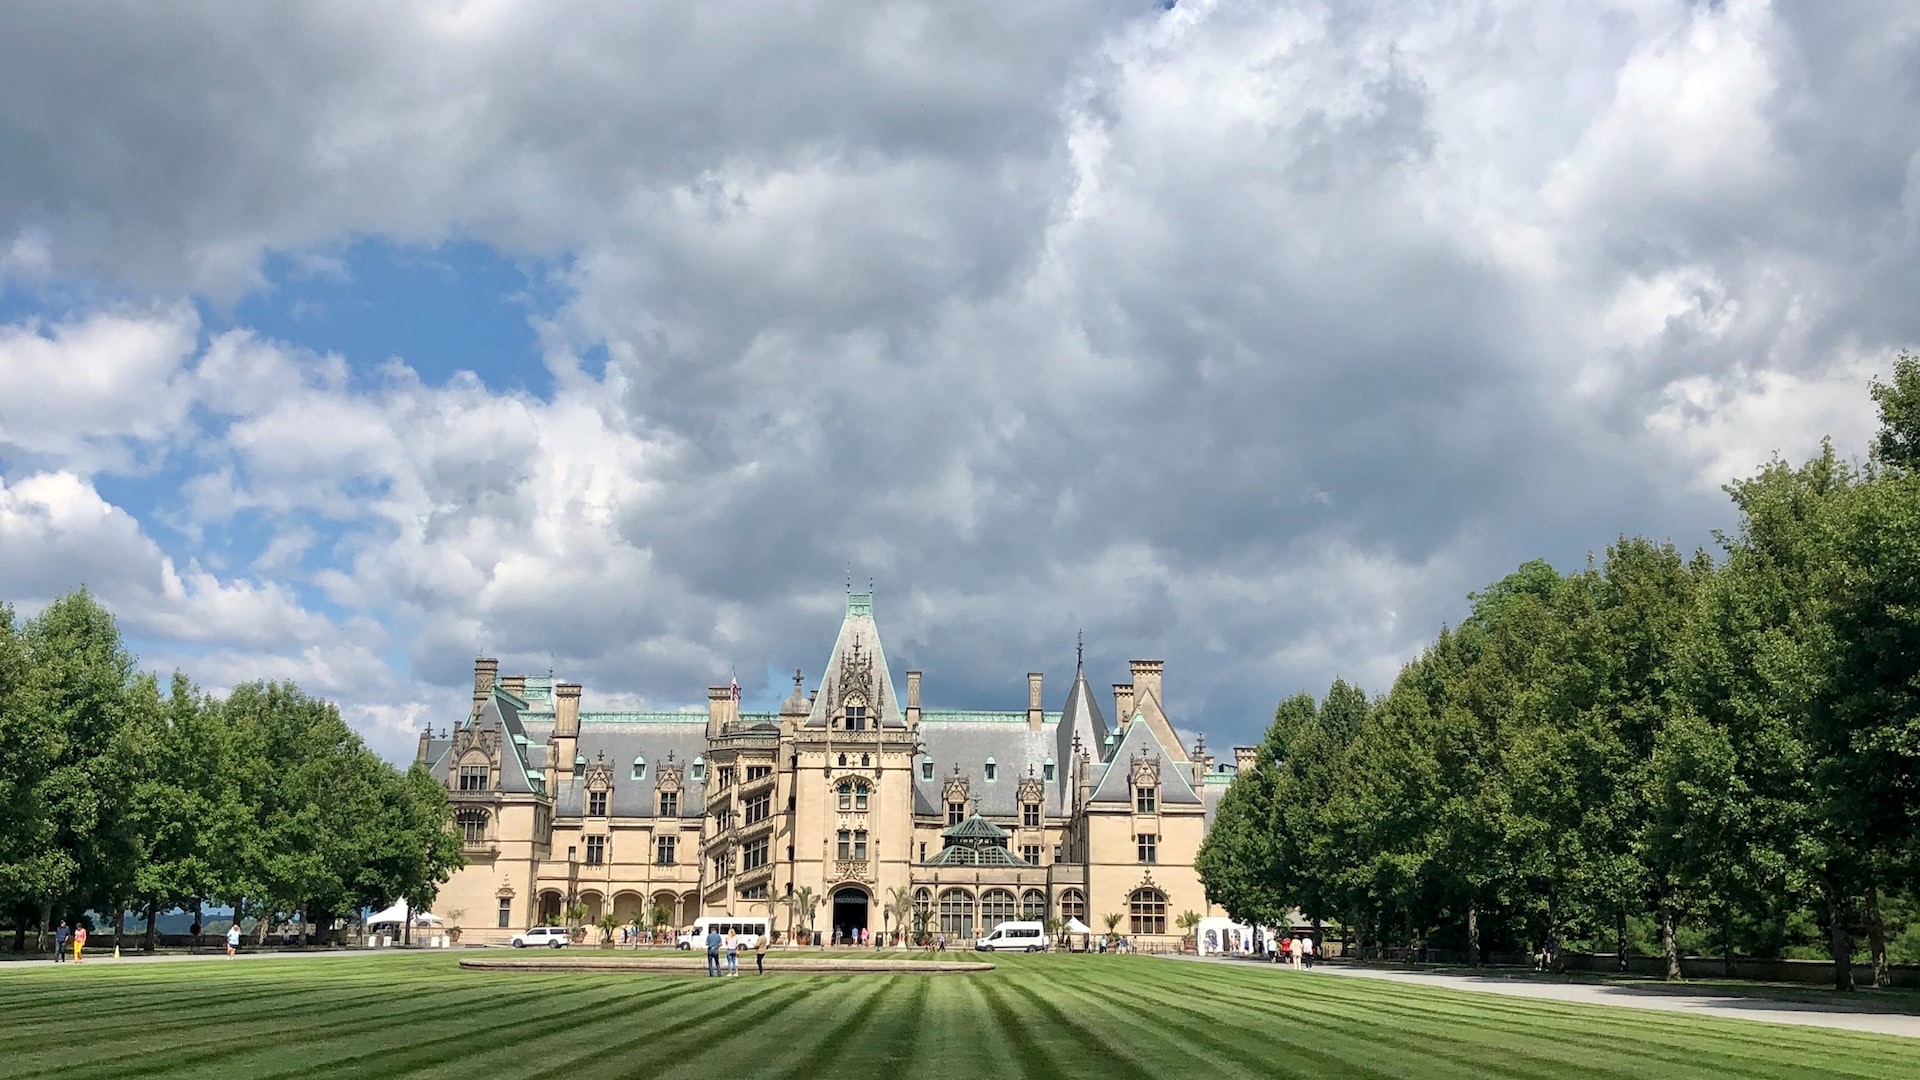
(1113, 1017)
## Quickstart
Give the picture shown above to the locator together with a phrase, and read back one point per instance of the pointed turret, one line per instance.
(856, 691)
(1080, 721)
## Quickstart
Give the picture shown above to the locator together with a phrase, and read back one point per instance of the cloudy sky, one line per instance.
(343, 342)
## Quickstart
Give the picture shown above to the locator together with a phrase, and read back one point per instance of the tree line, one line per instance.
(1666, 753)
(117, 796)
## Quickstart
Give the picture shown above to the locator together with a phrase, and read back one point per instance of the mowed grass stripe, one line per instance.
(651, 1049)
(1595, 1039)
(818, 1057)
(266, 1037)
(1628, 1039)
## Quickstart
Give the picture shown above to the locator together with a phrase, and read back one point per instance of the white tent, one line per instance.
(1075, 926)
(397, 914)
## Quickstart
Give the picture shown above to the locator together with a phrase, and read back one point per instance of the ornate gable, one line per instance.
(599, 773)
(956, 788)
(1145, 770)
(1031, 790)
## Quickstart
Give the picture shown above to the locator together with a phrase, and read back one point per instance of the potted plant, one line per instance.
(576, 917)
(1056, 932)
(608, 924)
(661, 918)
(1187, 921)
(453, 924)
(1112, 919)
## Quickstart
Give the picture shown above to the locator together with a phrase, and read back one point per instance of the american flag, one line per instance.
(736, 687)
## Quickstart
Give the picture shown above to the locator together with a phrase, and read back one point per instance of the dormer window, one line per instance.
(1145, 800)
(993, 771)
(926, 769)
(1047, 771)
(579, 763)
(596, 804)
(639, 768)
(699, 768)
(956, 813)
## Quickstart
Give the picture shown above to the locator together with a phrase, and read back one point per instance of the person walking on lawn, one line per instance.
(79, 941)
(760, 953)
(233, 938)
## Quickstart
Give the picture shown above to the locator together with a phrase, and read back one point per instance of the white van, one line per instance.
(750, 928)
(1015, 936)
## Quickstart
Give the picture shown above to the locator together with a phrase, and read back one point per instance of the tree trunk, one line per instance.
(1726, 942)
(1877, 937)
(1620, 940)
(40, 931)
(119, 922)
(1668, 943)
(153, 918)
(1839, 940)
(1473, 934)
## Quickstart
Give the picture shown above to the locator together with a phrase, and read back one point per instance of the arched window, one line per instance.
(843, 761)
(865, 760)
(1047, 773)
(996, 907)
(853, 795)
(956, 913)
(579, 763)
(922, 900)
(993, 771)
(1147, 912)
(639, 768)
(1033, 905)
(1073, 905)
(473, 825)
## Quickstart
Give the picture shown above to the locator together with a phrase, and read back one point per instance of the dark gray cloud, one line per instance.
(1253, 336)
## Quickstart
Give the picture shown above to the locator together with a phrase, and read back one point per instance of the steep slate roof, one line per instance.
(856, 648)
(968, 739)
(501, 712)
(1116, 784)
(623, 736)
(1082, 719)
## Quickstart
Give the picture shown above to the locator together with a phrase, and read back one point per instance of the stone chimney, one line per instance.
(1244, 758)
(721, 709)
(426, 738)
(485, 670)
(913, 699)
(1035, 715)
(1122, 704)
(514, 684)
(566, 727)
(1146, 680)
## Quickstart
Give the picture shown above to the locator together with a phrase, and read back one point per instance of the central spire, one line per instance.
(856, 688)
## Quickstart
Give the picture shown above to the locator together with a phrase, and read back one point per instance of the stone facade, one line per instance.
(875, 805)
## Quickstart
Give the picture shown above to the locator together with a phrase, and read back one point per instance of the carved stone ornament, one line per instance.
(1146, 770)
(599, 773)
(956, 787)
(1030, 789)
(670, 776)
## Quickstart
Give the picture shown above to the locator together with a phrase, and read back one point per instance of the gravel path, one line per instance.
(1864, 1016)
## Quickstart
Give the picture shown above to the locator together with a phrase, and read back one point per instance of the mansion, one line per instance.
(877, 806)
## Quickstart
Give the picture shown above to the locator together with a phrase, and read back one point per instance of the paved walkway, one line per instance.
(1862, 1016)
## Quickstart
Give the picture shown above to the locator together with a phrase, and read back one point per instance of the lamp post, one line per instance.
(886, 917)
(573, 878)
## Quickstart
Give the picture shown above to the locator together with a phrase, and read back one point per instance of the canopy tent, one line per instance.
(1075, 926)
(398, 914)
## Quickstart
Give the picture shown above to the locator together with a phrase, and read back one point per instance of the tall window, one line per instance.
(993, 771)
(506, 912)
(669, 804)
(473, 778)
(473, 825)
(856, 715)
(1144, 800)
(1033, 905)
(1030, 815)
(759, 807)
(956, 913)
(996, 906)
(596, 804)
(853, 796)
(956, 813)
(727, 773)
(1030, 853)
(754, 856)
(1148, 846)
(596, 850)
(758, 772)
(1148, 910)
(1073, 905)
(663, 850)
(853, 844)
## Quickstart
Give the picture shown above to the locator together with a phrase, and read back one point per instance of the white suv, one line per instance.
(556, 936)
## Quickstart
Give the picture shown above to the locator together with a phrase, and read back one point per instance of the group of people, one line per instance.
(74, 937)
(730, 943)
(858, 936)
(1298, 952)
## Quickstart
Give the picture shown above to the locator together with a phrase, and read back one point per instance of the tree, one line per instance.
(801, 905)
(1186, 921)
(900, 904)
(609, 922)
(32, 868)
(1897, 444)
(1112, 919)
(659, 917)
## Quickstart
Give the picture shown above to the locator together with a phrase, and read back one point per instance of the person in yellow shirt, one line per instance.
(79, 942)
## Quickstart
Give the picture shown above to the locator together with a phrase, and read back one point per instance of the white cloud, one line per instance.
(81, 389)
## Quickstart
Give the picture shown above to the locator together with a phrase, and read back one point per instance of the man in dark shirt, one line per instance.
(713, 951)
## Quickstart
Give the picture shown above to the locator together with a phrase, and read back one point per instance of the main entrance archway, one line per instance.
(850, 903)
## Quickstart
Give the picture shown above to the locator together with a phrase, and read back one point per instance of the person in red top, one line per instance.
(79, 941)
(1286, 949)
